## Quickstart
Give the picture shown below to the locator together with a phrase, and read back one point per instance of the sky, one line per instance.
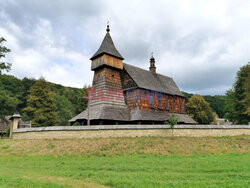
(200, 44)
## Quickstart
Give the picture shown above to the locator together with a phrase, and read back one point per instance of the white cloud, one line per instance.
(201, 44)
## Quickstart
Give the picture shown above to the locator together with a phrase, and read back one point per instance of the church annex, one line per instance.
(126, 94)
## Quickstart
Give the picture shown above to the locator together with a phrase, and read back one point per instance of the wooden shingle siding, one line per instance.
(127, 81)
(108, 61)
(153, 101)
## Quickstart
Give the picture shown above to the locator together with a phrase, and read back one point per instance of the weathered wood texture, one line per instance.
(107, 60)
(152, 101)
(107, 78)
(108, 87)
(127, 81)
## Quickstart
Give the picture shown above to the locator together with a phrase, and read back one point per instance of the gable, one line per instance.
(127, 81)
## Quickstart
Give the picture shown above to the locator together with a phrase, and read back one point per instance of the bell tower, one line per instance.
(107, 64)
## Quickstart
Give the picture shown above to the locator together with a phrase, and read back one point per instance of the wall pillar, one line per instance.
(14, 123)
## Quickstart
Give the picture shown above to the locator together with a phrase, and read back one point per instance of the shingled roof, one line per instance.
(152, 81)
(104, 112)
(136, 115)
(124, 114)
(107, 47)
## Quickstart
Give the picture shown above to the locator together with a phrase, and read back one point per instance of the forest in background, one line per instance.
(14, 95)
(68, 101)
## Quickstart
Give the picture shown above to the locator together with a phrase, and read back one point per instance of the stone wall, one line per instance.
(128, 131)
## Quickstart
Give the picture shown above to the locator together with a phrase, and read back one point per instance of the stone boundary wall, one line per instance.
(104, 131)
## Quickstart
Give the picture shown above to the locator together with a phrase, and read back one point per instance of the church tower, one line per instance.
(107, 65)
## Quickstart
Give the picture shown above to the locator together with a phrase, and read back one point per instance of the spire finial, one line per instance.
(152, 67)
(107, 27)
(152, 56)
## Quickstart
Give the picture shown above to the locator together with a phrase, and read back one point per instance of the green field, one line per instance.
(126, 162)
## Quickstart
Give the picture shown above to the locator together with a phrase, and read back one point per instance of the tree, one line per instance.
(230, 108)
(3, 50)
(41, 105)
(199, 110)
(8, 104)
(64, 107)
(172, 121)
(238, 103)
(217, 102)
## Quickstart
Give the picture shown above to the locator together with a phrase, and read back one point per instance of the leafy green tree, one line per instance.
(238, 103)
(172, 121)
(41, 105)
(64, 107)
(230, 108)
(199, 110)
(217, 102)
(81, 103)
(3, 50)
(8, 104)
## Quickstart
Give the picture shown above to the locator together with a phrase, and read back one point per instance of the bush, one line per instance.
(172, 121)
(8, 132)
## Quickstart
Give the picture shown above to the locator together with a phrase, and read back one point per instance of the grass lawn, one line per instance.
(126, 162)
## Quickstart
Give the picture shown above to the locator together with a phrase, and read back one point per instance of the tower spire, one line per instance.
(107, 47)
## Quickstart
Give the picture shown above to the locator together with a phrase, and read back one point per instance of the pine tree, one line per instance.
(41, 105)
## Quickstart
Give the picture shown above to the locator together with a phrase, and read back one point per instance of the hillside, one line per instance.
(69, 101)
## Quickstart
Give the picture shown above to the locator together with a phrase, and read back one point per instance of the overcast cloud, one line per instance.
(201, 44)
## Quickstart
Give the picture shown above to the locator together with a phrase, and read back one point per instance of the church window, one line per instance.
(159, 103)
(174, 105)
(151, 101)
(167, 105)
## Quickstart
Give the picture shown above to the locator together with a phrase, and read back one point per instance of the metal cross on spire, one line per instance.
(108, 26)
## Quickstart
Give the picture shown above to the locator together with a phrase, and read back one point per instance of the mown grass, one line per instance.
(145, 162)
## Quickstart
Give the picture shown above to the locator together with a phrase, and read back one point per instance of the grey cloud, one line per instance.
(205, 49)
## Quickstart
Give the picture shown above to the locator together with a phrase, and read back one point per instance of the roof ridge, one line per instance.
(147, 70)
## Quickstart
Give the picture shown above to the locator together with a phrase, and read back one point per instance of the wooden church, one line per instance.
(126, 94)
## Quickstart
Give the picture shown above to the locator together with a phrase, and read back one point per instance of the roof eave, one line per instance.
(102, 53)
